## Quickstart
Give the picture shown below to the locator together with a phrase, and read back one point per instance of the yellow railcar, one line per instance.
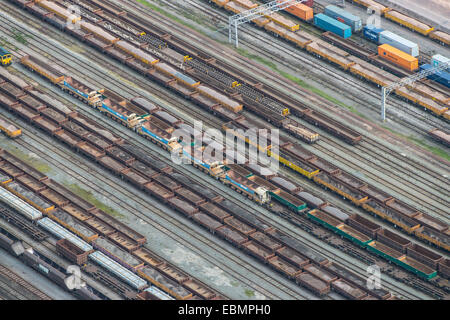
(5, 57)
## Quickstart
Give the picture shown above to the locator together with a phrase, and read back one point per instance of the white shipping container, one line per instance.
(392, 39)
(438, 59)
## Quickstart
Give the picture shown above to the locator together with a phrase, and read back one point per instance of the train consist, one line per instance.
(381, 68)
(146, 274)
(291, 155)
(243, 179)
(230, 88)
(216, 214)
(89, 234)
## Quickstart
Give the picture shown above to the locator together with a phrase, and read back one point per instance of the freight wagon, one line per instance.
(409, 22)
(344, 16)
(438, 60)
(372, 33)
(398, 57)
(394, 40)
(301, 10)
(9, 128)
(326, 23)
(440, 136)
(441, 77)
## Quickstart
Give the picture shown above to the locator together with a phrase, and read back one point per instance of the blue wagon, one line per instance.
(343, 16)
(372, 33)
(442, 77)
(329, 24)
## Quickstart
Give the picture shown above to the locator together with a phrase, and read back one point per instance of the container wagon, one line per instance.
(441, 77)
(372, 33)
(398, 57)
(394, 40)
(326, 23)
(345, 17)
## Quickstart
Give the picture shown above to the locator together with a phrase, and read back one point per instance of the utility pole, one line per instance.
(249, 15)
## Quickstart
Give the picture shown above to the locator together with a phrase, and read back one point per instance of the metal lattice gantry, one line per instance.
(249, 15)
(386, 91)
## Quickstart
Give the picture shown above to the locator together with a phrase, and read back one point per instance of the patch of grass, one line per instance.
(38, 165)
(20, 36)
(435, 150)
(175, 18)
(298, 81)
(89, 197)
(249, 293)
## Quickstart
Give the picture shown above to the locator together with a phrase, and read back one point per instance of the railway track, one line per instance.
(19, 284)
(401, 161)
(355, 270)
(143, 203)
(262, 37)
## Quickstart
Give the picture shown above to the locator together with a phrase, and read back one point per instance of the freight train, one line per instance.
(259, 99)
(219, 215)
(202, 218)
(82, 232)
(261, 241)
(323, 173)
(423, 97)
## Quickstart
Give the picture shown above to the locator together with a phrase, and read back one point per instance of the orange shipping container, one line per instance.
(398, 57)
(300, 10)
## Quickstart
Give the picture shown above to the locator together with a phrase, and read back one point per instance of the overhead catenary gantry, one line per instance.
(407, 81)
(249, 15)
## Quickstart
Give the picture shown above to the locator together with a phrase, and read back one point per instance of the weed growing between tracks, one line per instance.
(298, 81)
(89, 197)
(187, 15)
(20, 36)
(435, 150)
(32, 161)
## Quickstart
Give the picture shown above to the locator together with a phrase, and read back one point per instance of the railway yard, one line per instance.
(109, 189)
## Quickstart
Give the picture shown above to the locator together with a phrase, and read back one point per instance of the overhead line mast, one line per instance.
(249, 15)
(386, 91)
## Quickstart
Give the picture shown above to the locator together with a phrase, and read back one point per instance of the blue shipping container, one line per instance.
(329, 24)
(441, 77)
(372, 33)
(344, 16)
